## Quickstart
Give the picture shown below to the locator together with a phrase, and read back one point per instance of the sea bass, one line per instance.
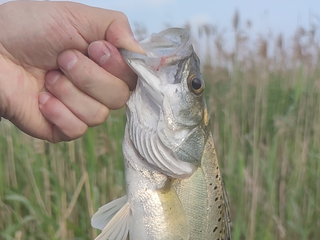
(173, 181)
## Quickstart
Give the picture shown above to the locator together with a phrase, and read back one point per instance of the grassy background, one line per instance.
(264, 101)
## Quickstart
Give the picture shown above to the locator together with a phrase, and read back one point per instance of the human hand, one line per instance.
(43, 59)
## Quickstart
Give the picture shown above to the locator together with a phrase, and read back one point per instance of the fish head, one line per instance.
(169, 96)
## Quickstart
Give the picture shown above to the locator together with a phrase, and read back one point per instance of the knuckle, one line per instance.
(100, 116)
(117, 28)
(82, 80)
(69, 134)
(60, 87)
(63, 88)
(122, 16)
(77, 132)
(121, 99)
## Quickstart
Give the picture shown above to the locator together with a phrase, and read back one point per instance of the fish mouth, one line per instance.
(163, 50)
(170, 43)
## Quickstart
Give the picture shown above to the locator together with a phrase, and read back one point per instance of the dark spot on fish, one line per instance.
(219, 219)
(219, 206)
(215, 187)
(210, 184)
(216, 199)
(215, 229)
(217, 175)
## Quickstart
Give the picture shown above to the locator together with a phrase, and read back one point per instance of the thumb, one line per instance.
(120, 35)
(102, 24)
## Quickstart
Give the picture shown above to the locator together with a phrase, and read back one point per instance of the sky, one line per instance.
(268, 17)
(276, 16)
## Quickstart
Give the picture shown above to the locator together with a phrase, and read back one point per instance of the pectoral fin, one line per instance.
(113, 220)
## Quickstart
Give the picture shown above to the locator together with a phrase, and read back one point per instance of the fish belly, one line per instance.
(156, 213)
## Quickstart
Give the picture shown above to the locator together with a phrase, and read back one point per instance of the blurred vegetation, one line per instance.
(264, 100)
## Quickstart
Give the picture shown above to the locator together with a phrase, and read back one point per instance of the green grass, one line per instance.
(265, 118)
(51, 191)
(267, 137)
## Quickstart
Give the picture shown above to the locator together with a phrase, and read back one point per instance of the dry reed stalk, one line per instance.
(282, 190)
(40, 149)
(280, 227)
(11, 170)
(87, 186)
(262, 47)
(35, 188)
(112, 194)
(18, 235)
(258, 125)
(72, 156)
(62, 200)
(89, 201)
(236, 20)
(72, 203)
(103, 179)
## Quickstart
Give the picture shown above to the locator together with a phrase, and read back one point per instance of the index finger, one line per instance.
(110, 59)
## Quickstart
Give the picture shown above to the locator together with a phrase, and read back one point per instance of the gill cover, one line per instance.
(167, 111)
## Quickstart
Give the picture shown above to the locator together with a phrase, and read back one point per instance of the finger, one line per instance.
(110, 59)
(87, 109)
(102, 24)
(93, 80)
(66, 126)
(120, 34)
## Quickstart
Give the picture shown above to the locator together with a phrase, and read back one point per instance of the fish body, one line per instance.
(173, 181)
(204, 199)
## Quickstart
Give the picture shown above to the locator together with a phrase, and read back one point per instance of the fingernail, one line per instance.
(131, 44)
(43, 98)
(67, 60)
(138, 47)
(99, 52)
(51, 77)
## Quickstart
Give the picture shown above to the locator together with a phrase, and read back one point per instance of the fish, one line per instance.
(174, 187)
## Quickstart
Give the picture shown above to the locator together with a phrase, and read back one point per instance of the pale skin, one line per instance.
(60, 68)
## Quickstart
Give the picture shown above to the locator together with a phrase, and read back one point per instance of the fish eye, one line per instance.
(195, 84)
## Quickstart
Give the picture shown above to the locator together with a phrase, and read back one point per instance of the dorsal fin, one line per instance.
(113, 220)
